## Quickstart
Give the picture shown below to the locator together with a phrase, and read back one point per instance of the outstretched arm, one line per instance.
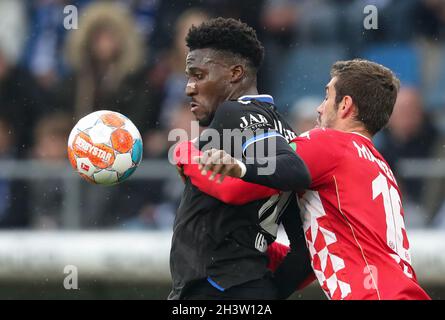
(268, 158)
(288, 172)
(231, 191)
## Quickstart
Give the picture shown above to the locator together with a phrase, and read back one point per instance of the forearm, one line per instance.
(231, 190)
(275, 165)
(289, 172)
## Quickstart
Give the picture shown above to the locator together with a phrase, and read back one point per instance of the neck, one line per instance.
(358, 129)
(241, 90)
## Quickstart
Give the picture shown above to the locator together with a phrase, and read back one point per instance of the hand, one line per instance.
(219, 162)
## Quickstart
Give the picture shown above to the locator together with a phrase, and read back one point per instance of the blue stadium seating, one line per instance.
(434, 84)
(402, 58)
(305, 72)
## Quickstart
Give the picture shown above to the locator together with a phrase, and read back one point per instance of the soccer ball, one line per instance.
(105, 147)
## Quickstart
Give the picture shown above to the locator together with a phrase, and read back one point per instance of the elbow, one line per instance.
(303, 180)
(289, 185)
(308, 179)
(297, 178)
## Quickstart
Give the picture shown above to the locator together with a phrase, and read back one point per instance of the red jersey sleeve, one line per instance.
(231, 191)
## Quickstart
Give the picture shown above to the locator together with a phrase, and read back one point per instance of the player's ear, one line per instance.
(236, 73)
(347, 107)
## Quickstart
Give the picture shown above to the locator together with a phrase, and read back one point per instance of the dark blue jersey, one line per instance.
(224, 243)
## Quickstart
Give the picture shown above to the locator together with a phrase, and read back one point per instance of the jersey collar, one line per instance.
(260, 97)
(359, 134)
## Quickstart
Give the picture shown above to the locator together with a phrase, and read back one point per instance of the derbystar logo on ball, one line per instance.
(105, 147)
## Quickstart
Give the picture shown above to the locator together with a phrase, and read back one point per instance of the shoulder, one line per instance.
(230, 105)
(243, 116)
(321, 142)
(235, 107)
(228, 110)
(321, 134)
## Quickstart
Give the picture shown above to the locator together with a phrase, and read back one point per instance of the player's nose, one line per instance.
(190, 88)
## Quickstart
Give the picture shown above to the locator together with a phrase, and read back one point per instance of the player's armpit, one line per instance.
(231, 190)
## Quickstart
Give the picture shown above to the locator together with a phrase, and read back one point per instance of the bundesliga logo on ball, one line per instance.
(105, 147)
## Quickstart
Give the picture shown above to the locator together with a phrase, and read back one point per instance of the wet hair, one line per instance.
(372, 87)
(229, 36)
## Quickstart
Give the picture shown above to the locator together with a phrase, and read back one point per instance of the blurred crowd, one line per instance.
(128, 56)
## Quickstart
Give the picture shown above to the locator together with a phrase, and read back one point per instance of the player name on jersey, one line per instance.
(365, 153)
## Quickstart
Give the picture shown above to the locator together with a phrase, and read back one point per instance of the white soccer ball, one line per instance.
(105, 147)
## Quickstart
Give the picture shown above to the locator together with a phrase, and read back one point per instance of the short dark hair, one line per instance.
(372, 87)
(227, 35)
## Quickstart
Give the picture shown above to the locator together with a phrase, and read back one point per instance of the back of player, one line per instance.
(354, 220)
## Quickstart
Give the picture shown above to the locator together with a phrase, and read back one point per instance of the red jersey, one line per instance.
(353, 219)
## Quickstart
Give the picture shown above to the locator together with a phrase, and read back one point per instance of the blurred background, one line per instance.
(128, 56)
